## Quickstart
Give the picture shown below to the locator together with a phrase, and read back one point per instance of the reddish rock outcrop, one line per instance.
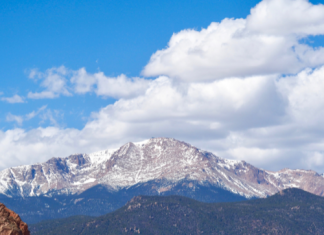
(10, 223)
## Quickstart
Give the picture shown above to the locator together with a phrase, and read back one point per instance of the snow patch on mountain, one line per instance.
(155, 158)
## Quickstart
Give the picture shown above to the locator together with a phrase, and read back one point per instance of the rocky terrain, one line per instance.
(291, 211)
(156, 158)
(99, 183)
(10, 223)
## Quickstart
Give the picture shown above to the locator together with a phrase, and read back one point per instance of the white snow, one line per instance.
(141, 143)
(228, 163)
(101, 156)
(91, 180)
(178, 161)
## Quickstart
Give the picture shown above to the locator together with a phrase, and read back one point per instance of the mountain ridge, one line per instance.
(155, 158)
(290, 211)
(99, 200)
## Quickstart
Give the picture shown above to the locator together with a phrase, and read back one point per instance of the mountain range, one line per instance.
(63, 187)
(290, 211)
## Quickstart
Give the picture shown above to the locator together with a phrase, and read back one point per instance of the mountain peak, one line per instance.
(294, 194)
(151, 159)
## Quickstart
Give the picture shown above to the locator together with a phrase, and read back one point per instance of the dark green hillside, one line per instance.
(292, 211)
(99, 200)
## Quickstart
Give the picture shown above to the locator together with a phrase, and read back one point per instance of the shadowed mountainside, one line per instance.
(291, 211)
(100, 200)
(63, 187)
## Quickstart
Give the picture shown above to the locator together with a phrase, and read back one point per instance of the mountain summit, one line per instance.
(155, 158)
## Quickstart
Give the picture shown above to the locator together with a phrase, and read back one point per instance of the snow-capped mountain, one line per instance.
(156, 158)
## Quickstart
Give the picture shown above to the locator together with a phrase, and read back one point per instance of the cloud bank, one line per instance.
(116, 87)
(245, 89)
(266, 42)
(59, 81)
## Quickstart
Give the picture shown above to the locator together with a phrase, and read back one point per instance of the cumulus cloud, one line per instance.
(63, 81)
(263, 102)
(36, 145)
(54, 82)
(116, 87)
(198, 111)
(287, 17)
(258, 119)
(14, 99)
(304, 93)
(266, 42)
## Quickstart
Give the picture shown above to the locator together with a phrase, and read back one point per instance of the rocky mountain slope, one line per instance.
(156, 158)
(291, 211)
(10, 223)
(99, 200)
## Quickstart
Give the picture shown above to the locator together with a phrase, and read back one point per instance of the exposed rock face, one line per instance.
(156, 158)
(10, 223)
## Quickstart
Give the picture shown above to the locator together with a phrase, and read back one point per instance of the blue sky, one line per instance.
(240, 78)
(110, 36)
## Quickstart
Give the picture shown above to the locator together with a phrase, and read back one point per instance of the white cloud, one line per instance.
(34, 74)
(315, 158)
(51, 116)
(63, 81)
(121, 86)
(21, 118)
(253, 119)
(305, 95)
(116, 87)
(36, 145)
(247, 111)
(54, 82)
(187, 112)
(267, 42)
(83, 82)
(35, 113)
(14, 118)
(287, 17)
(14, 99)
